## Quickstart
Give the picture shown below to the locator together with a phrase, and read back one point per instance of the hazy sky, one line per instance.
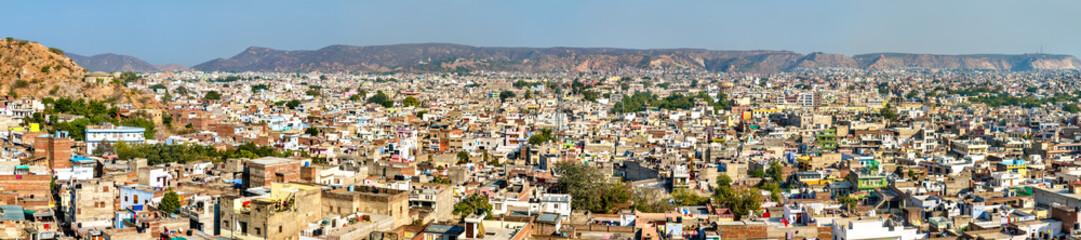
(190, 32)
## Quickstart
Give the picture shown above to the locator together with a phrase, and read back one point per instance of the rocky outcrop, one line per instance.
(31, 70)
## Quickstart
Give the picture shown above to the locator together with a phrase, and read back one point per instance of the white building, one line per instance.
(872, 229)
(95, 135)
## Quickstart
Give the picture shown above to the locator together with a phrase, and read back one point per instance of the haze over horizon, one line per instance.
(193, 32)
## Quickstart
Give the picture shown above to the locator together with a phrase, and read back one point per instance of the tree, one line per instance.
(170, 202)
(259, 88)
(740, 201)
(312, 92)
(212, 95)
(505, 94)
(758, 173)
(848, 201)
(181, 90)
(724, 181)
(473, 204)
(381, 99)
(684, 197)
(544, 136)
(463, 157)
(528, 94)
(410, 101)
(776, 171)
(590, 96)
(1072, 108)
(363, 93)
(650, 200)
(293, 104)
(312, 131)
(354, 98)
(888, 113)
(589, 189)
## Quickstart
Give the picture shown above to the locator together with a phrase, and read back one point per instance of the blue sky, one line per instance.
(191, 32)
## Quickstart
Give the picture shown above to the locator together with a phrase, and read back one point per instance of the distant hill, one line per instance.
(172, 68)
(122, 63)
(29, 69)
(1022, 62)
(432, 57)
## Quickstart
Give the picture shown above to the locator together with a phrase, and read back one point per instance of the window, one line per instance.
(136, 198)
(279, 229)
(258, 232)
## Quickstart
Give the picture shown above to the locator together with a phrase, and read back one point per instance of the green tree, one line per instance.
(312, 131)
(473, 204)
(463, 157)
(381, 99)
(312, 92)
(848, 201)
(684, 197)
(355, 98)
(183, 91)
(505, 94)
(776, 171)
(741, 201)
(888, 113)
(590, 96)
(1072, 108)
(212, 95)
(589, 189)
(293, 104)
(758, 173)
(170, 202)
(410, 101)
(724, 181)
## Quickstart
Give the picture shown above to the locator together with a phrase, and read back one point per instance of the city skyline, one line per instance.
(190, 33)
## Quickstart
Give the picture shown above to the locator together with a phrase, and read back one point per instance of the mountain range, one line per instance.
(433, 57)
(121, 63)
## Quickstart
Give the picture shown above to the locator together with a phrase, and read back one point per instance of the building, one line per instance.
(872, 229)
(99, 134)
(91, 204)
(55, 148)
(278, 215)
(136, 195)
(264, 171)
(368, 199)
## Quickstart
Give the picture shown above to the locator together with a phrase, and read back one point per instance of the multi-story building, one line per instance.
(96, 135)
(264, 171)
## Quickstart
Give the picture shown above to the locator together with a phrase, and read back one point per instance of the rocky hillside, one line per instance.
(172, 68)
(1023, 62)
(29, 69)
(452, 57)
(121, 63)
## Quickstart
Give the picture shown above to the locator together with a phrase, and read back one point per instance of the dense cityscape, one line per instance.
(540, 120)
(641, 154)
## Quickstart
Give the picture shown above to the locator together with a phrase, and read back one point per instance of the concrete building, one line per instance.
(92, 204)
(96, 135)
(281, 214)
(55, 148)
(264, 171)
(367, 199)
(872, 229)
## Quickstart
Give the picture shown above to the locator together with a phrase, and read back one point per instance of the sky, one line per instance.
(194, 31)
